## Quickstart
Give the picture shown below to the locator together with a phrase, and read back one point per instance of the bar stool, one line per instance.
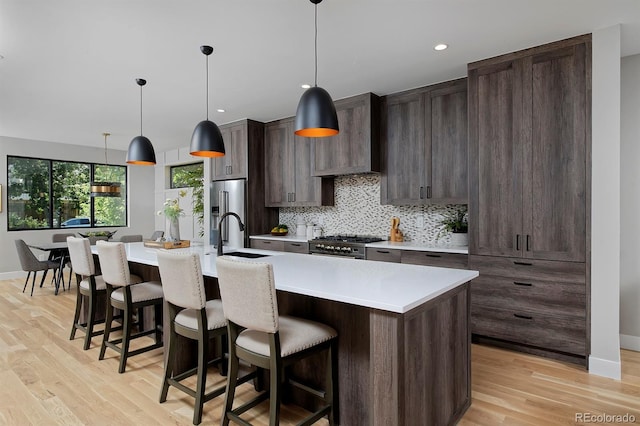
(258, 335)
(191, 316)
(90, 285)
(128, 297)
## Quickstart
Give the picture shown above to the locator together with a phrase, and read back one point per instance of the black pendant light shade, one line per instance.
(316, 115)
(141, 151)
(105, 189)
(206, 140)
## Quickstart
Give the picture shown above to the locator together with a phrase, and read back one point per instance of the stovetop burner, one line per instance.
(363, 239)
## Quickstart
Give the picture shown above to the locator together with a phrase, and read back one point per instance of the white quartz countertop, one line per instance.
(387, 286)
(411, 245)
(290, 237)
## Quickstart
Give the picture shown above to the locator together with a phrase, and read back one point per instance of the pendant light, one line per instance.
(206, 140)
(316, 115)
(140, 149)
(105, 189)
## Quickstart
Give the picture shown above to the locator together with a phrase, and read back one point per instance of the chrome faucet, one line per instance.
(222, 218)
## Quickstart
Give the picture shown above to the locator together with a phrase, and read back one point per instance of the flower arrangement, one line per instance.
(171, 207)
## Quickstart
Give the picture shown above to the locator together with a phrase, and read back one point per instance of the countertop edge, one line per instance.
(416, 247)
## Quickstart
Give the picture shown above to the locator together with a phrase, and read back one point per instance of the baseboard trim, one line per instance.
(11, 275)
(630, 342)
(605, 368)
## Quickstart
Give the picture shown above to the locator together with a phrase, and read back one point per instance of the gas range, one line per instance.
(342, 245)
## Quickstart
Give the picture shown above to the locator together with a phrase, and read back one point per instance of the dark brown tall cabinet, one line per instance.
(529, 165)
(288, 181)
(424, 145)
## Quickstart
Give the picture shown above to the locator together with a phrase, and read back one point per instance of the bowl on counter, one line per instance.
(279, 234)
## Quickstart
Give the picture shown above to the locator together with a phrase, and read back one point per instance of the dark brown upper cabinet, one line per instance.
(424, 146)
(233, 165)
(356, 149)
(288, 181)
(529, 135)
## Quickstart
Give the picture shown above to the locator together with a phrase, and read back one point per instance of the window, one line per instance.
(46, 194)
(188, 175)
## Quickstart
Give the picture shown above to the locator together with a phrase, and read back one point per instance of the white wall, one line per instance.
(605, 204)
(630, 203)
(140, 179)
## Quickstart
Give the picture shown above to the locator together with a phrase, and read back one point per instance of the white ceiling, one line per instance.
(69, 66)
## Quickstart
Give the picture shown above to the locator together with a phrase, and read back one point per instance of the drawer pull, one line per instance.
(522, 284)
(527, 317)
(433, 255)
(266, 242)
(515, 262)
(382, 251)
(295, 244)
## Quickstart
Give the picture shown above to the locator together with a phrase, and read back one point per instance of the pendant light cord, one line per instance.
(207, 68)
(106, 160)
(316, 45)
(140, 110)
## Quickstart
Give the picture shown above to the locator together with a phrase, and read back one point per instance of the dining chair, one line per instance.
(157, 235)
(124, 294)
(259, 335)
(60, 238)
(134, 238)
(30, 263)
(193, 317)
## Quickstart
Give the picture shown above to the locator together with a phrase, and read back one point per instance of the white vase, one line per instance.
(173, 229)
(459, 239)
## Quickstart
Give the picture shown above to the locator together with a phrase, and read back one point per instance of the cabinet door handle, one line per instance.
(433, 255)
(522, 284)
(428, 191)
(515, 262)
(421, 192)
(382, 251)
(293, 197)
(230, 170)
(527, 317)
(517, 242)
(528, 242)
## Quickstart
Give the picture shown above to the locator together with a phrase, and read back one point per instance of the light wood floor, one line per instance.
(46, 379)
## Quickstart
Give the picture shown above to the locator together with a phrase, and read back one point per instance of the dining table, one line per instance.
(57, 251)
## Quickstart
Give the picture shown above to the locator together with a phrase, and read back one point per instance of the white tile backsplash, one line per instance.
(357, 210)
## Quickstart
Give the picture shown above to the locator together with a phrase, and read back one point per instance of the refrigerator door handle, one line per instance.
(223, 202)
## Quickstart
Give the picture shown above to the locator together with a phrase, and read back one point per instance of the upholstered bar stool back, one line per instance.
(193, 317)
(125, 294)
(260, 336)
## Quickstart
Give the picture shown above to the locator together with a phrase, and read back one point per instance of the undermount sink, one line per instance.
(244, 254)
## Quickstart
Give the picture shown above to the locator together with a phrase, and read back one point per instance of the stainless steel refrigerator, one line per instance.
(228, 196)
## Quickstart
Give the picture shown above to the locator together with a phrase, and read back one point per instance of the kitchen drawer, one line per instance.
(428, 258)
(267, 244)
(383, 255)
(538, 296)
(521, 269)
(295, 247)
(559, 333)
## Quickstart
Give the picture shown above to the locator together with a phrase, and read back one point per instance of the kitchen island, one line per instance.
(404, 338)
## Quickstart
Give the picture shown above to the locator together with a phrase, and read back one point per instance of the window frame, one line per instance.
(92, 219)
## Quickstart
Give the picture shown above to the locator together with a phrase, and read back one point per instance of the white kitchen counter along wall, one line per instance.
(357, 210)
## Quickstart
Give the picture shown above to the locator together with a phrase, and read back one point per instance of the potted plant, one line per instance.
(457, 225)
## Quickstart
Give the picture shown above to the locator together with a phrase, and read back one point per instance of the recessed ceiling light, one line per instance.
(220, 110)
(440, 46)
(306, 86)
